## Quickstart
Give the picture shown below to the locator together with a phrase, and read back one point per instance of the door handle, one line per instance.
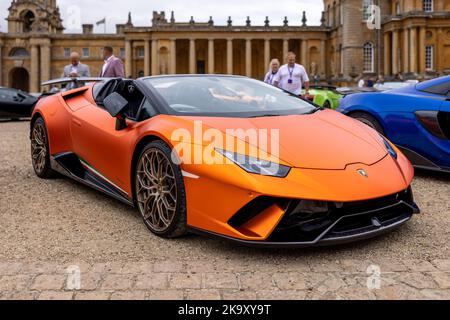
(77, 122)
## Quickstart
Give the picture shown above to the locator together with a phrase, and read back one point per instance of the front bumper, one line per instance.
(353, 222)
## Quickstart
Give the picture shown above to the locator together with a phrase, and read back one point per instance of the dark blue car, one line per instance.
(415, 118)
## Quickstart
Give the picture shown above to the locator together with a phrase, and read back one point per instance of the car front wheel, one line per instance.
(160, 193)
(40, 154)
(368, 120)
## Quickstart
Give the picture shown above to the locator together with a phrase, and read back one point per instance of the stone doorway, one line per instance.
(20, 79)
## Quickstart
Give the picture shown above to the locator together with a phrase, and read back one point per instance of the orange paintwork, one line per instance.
(324, 149)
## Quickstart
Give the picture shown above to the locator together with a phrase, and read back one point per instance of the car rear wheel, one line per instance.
(160, 193)
(368, 120)
(40, 154)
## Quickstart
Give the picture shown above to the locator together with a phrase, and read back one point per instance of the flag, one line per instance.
(103, 21)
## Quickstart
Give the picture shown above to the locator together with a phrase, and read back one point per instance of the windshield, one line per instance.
(226, 96)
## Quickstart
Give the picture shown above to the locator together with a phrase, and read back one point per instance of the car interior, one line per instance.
(138, 109)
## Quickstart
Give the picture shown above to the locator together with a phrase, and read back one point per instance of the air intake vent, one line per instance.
(444, 123)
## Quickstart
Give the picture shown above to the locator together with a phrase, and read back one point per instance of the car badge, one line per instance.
(363, 173)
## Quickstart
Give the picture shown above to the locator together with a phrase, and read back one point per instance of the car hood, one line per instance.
(323, 140)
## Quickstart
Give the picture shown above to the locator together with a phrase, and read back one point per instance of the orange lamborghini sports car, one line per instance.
(167, 145)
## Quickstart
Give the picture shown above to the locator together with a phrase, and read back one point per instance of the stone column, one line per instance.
(155, 70)
(128, 59)
(147, 67)
(405, 51)
(413, 53)
(395, 47)
(422, 41)
(230, 56)
(323, 59)
(211, 66)
(192, 58)
(285, 50)
(173, 56)
(266, 52)
(248, 57)
(304, 58)
(34, 74)
(46, 61)
(387, 54)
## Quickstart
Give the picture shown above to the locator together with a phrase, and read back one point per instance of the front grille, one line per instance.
(343, 219)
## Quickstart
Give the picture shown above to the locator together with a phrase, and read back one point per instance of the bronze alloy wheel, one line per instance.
(39, 147)
(156, 190)
(40, 154)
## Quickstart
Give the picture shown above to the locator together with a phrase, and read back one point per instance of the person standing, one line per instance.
(76, 69)
(273, 70)
(113, 67)
(292, 76)
(361, 83)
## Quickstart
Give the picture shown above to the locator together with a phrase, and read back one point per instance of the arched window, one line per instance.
(28, 18)
(368, 57)
(366, 9)
(428, 5)
(19, 52)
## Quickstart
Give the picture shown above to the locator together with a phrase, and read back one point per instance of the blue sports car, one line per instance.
(416, 118)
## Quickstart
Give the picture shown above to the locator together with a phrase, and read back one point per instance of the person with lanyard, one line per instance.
(273, 70)
(292, 77)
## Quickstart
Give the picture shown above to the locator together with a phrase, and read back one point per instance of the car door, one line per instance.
(101, 148)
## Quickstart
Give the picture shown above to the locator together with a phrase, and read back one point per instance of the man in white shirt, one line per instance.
(292, 76)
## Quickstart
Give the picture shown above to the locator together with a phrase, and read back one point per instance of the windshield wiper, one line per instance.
(315, 110)
(267, 115)
(281, 115)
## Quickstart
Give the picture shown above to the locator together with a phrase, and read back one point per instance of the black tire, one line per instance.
(368, 120)
(327, 105)
(40, 154)
(177, 226)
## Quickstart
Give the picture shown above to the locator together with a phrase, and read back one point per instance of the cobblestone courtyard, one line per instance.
(53, 231)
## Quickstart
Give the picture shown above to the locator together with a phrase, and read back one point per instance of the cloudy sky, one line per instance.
(116, 11)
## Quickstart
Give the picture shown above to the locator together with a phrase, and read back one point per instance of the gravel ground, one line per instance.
(59, 222)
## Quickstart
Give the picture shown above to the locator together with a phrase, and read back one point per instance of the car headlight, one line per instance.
(389, 148)
(256, 166)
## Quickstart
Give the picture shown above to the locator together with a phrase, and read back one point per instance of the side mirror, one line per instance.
(116, 105)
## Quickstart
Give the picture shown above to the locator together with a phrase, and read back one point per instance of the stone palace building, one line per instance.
(414, 40)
